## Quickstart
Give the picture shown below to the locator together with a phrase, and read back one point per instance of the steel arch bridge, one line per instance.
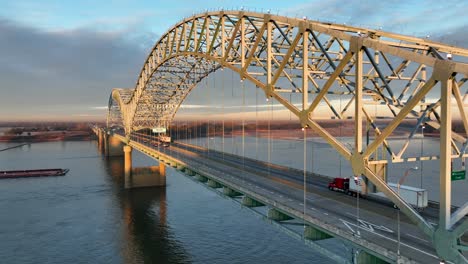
(408, 77)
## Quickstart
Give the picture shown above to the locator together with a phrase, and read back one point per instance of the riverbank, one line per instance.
(49, 136)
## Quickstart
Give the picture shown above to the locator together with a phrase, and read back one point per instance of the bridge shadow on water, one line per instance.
(146, 236)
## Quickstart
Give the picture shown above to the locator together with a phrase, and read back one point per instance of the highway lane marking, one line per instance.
(350, 228)
(417, 238)
(368, 226)
(349, 224)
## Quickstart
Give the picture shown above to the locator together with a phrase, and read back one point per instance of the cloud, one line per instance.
(99, 107)
(72, 71)
(456, 37)
(399, 16)
(40, 70)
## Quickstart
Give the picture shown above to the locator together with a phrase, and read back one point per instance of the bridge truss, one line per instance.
(406, 77)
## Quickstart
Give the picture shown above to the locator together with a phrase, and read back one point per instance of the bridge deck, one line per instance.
(281, 188)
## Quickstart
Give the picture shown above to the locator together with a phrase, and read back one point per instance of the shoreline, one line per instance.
(48, 138)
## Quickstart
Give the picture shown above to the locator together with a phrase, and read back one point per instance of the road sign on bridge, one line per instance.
(159, 130)
(458, 175)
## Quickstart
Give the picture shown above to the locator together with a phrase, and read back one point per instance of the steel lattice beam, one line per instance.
(406, 76)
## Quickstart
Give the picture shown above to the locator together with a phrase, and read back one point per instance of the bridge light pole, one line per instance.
(402, 179)
(422, 149)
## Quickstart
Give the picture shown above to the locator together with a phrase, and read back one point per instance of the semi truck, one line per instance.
(349, 186)
(416, 197)
(165, 139)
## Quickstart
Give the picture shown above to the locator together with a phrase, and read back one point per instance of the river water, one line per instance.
(87, 217)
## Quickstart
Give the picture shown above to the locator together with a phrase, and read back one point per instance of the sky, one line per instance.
(59, 60)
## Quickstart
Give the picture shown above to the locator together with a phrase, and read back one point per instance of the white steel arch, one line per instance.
(409, 77)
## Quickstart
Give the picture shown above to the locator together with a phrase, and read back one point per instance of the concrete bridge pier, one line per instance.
(276, 215)
(230, 192)
(362, 257)
(315, 234)
(201, 178)
(142, 177)
(214, 184)
(113, 146)
(249, 202)
(101, 140)
(189, 172)
(127, 162)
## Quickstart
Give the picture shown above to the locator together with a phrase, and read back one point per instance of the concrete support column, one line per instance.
(314, 234)
(276, 215)
(113, 146)
(128, 161)
(189, 172)
(162, 169)
(230, 192)
(362, 257)
(214, 184)
(180, 167)
(100, 135)
(128, 166)
(105, 138)
(147, 177)
(249, 202)
(200, 178)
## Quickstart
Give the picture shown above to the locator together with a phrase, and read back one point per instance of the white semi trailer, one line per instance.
(417, 197)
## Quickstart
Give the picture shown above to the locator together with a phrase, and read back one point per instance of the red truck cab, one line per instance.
(339, 184)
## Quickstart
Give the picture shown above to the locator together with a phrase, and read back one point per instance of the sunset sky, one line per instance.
(59, 61)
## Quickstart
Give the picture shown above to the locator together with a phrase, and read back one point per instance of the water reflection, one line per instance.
(146, 234)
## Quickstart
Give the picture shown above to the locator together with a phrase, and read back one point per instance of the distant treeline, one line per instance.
(19, 129)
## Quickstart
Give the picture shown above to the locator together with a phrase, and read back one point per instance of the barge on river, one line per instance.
(32, 173)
